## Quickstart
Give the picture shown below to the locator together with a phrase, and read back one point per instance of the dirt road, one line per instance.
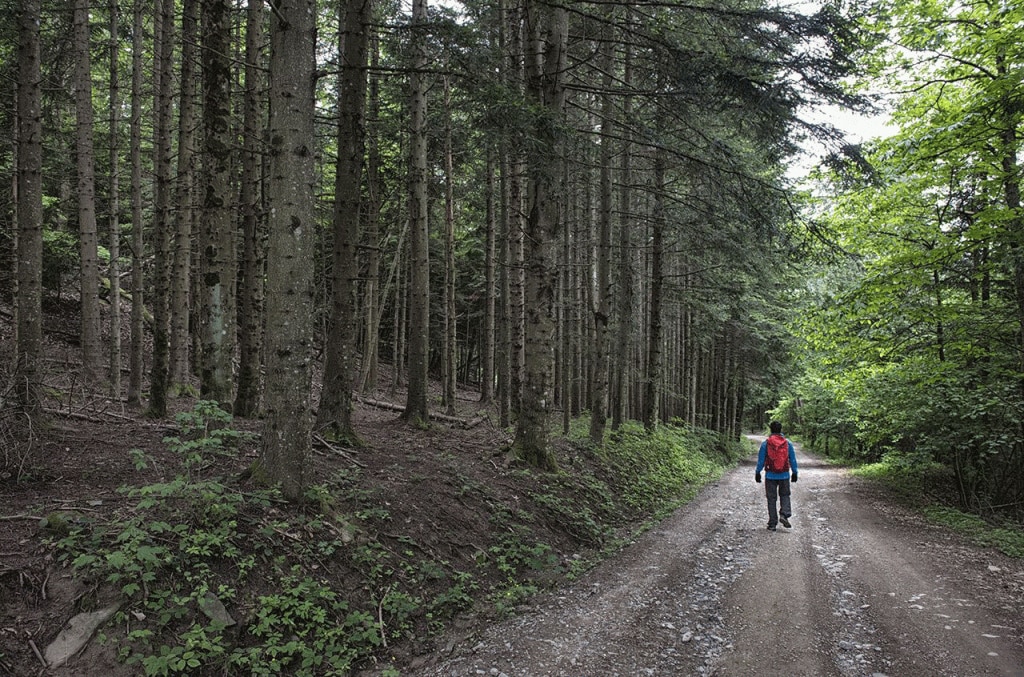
(856, 587)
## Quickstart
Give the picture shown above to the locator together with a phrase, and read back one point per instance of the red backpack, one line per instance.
(777, 458)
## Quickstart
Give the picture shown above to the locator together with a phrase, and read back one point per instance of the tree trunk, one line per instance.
(600, 355)
(450, 325)
(218, 243)
(515, 81)
(180, 301)
(291, 191)
(373, 300)
(29, 202)
(563, 365)
(88, 241)
(503, 350)
(135, 350)
(163, 40)
(114, 242)
(618, 399)
(547, 32)
(516, 283)
(487, 368)
(250, 297)
(335, 412)
(652, 399)
(416, 409)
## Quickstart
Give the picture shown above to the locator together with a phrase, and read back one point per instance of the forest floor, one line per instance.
(77, 466)
(858, 586)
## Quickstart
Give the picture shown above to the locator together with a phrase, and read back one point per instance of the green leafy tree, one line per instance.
(925, 339)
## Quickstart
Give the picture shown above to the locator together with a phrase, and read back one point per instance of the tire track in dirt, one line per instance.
(791, 609)
(927, 595)
(869, 590)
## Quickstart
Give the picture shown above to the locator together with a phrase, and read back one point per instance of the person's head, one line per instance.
(775, 427)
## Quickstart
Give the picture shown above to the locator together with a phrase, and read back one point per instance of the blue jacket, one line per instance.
(762, 455)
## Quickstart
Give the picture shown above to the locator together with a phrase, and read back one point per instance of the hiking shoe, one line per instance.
(771, 528)
(784, 521)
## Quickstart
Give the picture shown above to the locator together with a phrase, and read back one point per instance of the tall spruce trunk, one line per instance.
(416, 408)
(618, 398)
(373, 297)
(503, 349)
(29, 200)
(547, 33)
(135, 349)
(250, 292)
(180, 304)
(291, 291)
(335, 413)
(217, 284)
(600, 354)
(88, 239)
(487, 366)
(503, 342)
(653, 376)
(450, 326)
(515, 77)
(163, 41)
(114, 222)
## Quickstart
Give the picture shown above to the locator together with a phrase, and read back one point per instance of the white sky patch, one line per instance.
(857, 127)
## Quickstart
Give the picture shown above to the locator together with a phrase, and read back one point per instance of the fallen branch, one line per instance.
(319, 439)
(380, 617)
(444, 418)
(35, 650)
(96, 419)
(11, 518)
(380, 404)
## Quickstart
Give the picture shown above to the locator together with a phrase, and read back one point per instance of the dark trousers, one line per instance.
(777, 490)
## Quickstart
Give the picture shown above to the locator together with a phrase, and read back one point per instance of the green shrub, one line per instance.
(1009, 540)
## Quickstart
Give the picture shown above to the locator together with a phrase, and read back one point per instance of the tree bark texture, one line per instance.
(181, 298)
(619, 395)
(219, 270)
(163, 40)
(547, 33)
(600, 355)
(135, 350)
(30, 209)
(487, 368)
(653, 372)
(450, 324)
(250, 295)
(335, 411)
(114, 233)
(87, 233)
(416, 407)
(291, 190)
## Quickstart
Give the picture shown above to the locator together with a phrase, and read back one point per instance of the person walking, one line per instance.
(777, 459)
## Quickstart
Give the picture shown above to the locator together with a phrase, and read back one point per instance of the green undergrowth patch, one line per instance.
(919, 484)
(1007, 539)
(656, 472)
(910, 480)
(217, 575)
